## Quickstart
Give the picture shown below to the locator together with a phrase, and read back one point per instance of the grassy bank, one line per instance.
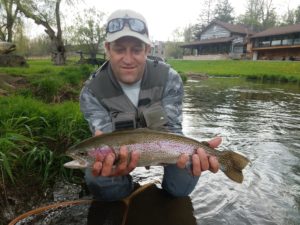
(39, 120)
(261, 70)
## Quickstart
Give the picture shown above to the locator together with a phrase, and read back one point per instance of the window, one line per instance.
(287, 41)
(276, 42)
(297, 41)
(264, 43)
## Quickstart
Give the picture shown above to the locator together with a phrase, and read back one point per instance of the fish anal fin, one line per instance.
(235, 175)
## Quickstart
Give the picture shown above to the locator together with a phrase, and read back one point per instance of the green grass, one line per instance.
(43, 67)
(34, 137)
(269, 70)
(49, 83)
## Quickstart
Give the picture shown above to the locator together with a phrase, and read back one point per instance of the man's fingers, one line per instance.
(98, 132)
(215, 142)
(203, 159)
(97, 166)
(122, 164)
(107, 165)
(182, 160)
(196, 165)
(213, 164)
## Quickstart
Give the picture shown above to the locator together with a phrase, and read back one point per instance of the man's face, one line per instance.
(127, 57)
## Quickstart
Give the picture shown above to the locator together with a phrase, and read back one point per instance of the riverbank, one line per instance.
(282, 71)
(41, 119)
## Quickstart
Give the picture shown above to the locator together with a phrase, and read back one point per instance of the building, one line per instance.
(277, 43)
(219, 40)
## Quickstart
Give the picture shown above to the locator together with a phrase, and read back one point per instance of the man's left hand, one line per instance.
(201, 161)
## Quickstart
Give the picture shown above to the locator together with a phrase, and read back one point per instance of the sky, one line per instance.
(165, 16)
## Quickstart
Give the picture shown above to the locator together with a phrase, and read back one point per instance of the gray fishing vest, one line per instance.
(123, 113)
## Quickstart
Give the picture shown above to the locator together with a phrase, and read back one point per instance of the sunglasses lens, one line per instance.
(134, 24)
(137, 25)
(115, 25)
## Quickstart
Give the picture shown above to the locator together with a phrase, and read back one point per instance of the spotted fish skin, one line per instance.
(155, 148)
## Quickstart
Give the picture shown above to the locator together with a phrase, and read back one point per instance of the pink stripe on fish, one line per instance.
(101, 152)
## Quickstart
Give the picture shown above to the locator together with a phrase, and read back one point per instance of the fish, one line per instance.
(155, 148)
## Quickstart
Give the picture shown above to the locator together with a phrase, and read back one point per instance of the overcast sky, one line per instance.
(164, 16)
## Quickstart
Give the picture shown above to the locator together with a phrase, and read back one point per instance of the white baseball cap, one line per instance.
(126, 22)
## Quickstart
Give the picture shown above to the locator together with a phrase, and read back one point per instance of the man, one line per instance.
(130, 91)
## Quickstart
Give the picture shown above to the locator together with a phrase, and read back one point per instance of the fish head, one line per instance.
(85, 156)
(79, 156)
(76, 164)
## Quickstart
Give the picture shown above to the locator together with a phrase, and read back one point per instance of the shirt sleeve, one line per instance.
(96, 115)
(172, 101)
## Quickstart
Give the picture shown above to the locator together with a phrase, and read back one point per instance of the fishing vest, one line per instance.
(123, 113)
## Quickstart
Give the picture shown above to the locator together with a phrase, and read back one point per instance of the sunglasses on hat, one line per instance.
(118, 24)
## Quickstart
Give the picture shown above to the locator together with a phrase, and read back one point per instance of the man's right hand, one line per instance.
(105, 167)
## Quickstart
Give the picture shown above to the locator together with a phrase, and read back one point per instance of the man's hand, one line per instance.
(202, 161)
(105, 167)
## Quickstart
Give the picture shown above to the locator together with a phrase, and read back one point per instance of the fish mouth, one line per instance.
(77, 163)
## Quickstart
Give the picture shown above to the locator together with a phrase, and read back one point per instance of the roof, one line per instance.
(208, 41)
(234, 28)
(278, 31)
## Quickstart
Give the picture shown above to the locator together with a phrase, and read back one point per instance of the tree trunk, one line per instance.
(58, 49)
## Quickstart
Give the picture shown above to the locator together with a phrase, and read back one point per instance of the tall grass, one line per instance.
(34, 137)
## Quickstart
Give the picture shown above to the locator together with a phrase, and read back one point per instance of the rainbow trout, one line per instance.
(155, 147)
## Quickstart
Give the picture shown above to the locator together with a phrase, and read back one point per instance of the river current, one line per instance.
(261, 121)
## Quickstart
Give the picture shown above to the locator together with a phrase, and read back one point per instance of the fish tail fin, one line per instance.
(232, 164)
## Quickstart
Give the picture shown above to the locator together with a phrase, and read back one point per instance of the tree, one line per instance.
(260, 15)
(47, 14)
(188, 35)
(88, 31)
(297, 15)
(291, 16)
(223, 11)
(20, 39)
(205, 17)
(269, 16)
(172, 50)
(40, 46)
(8, 15)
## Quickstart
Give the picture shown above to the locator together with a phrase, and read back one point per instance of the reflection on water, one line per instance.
(261, 121)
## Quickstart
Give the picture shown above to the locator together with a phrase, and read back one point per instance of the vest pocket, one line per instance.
(123, 121)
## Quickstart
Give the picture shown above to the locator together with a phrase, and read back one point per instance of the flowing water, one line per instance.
(262, 121)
